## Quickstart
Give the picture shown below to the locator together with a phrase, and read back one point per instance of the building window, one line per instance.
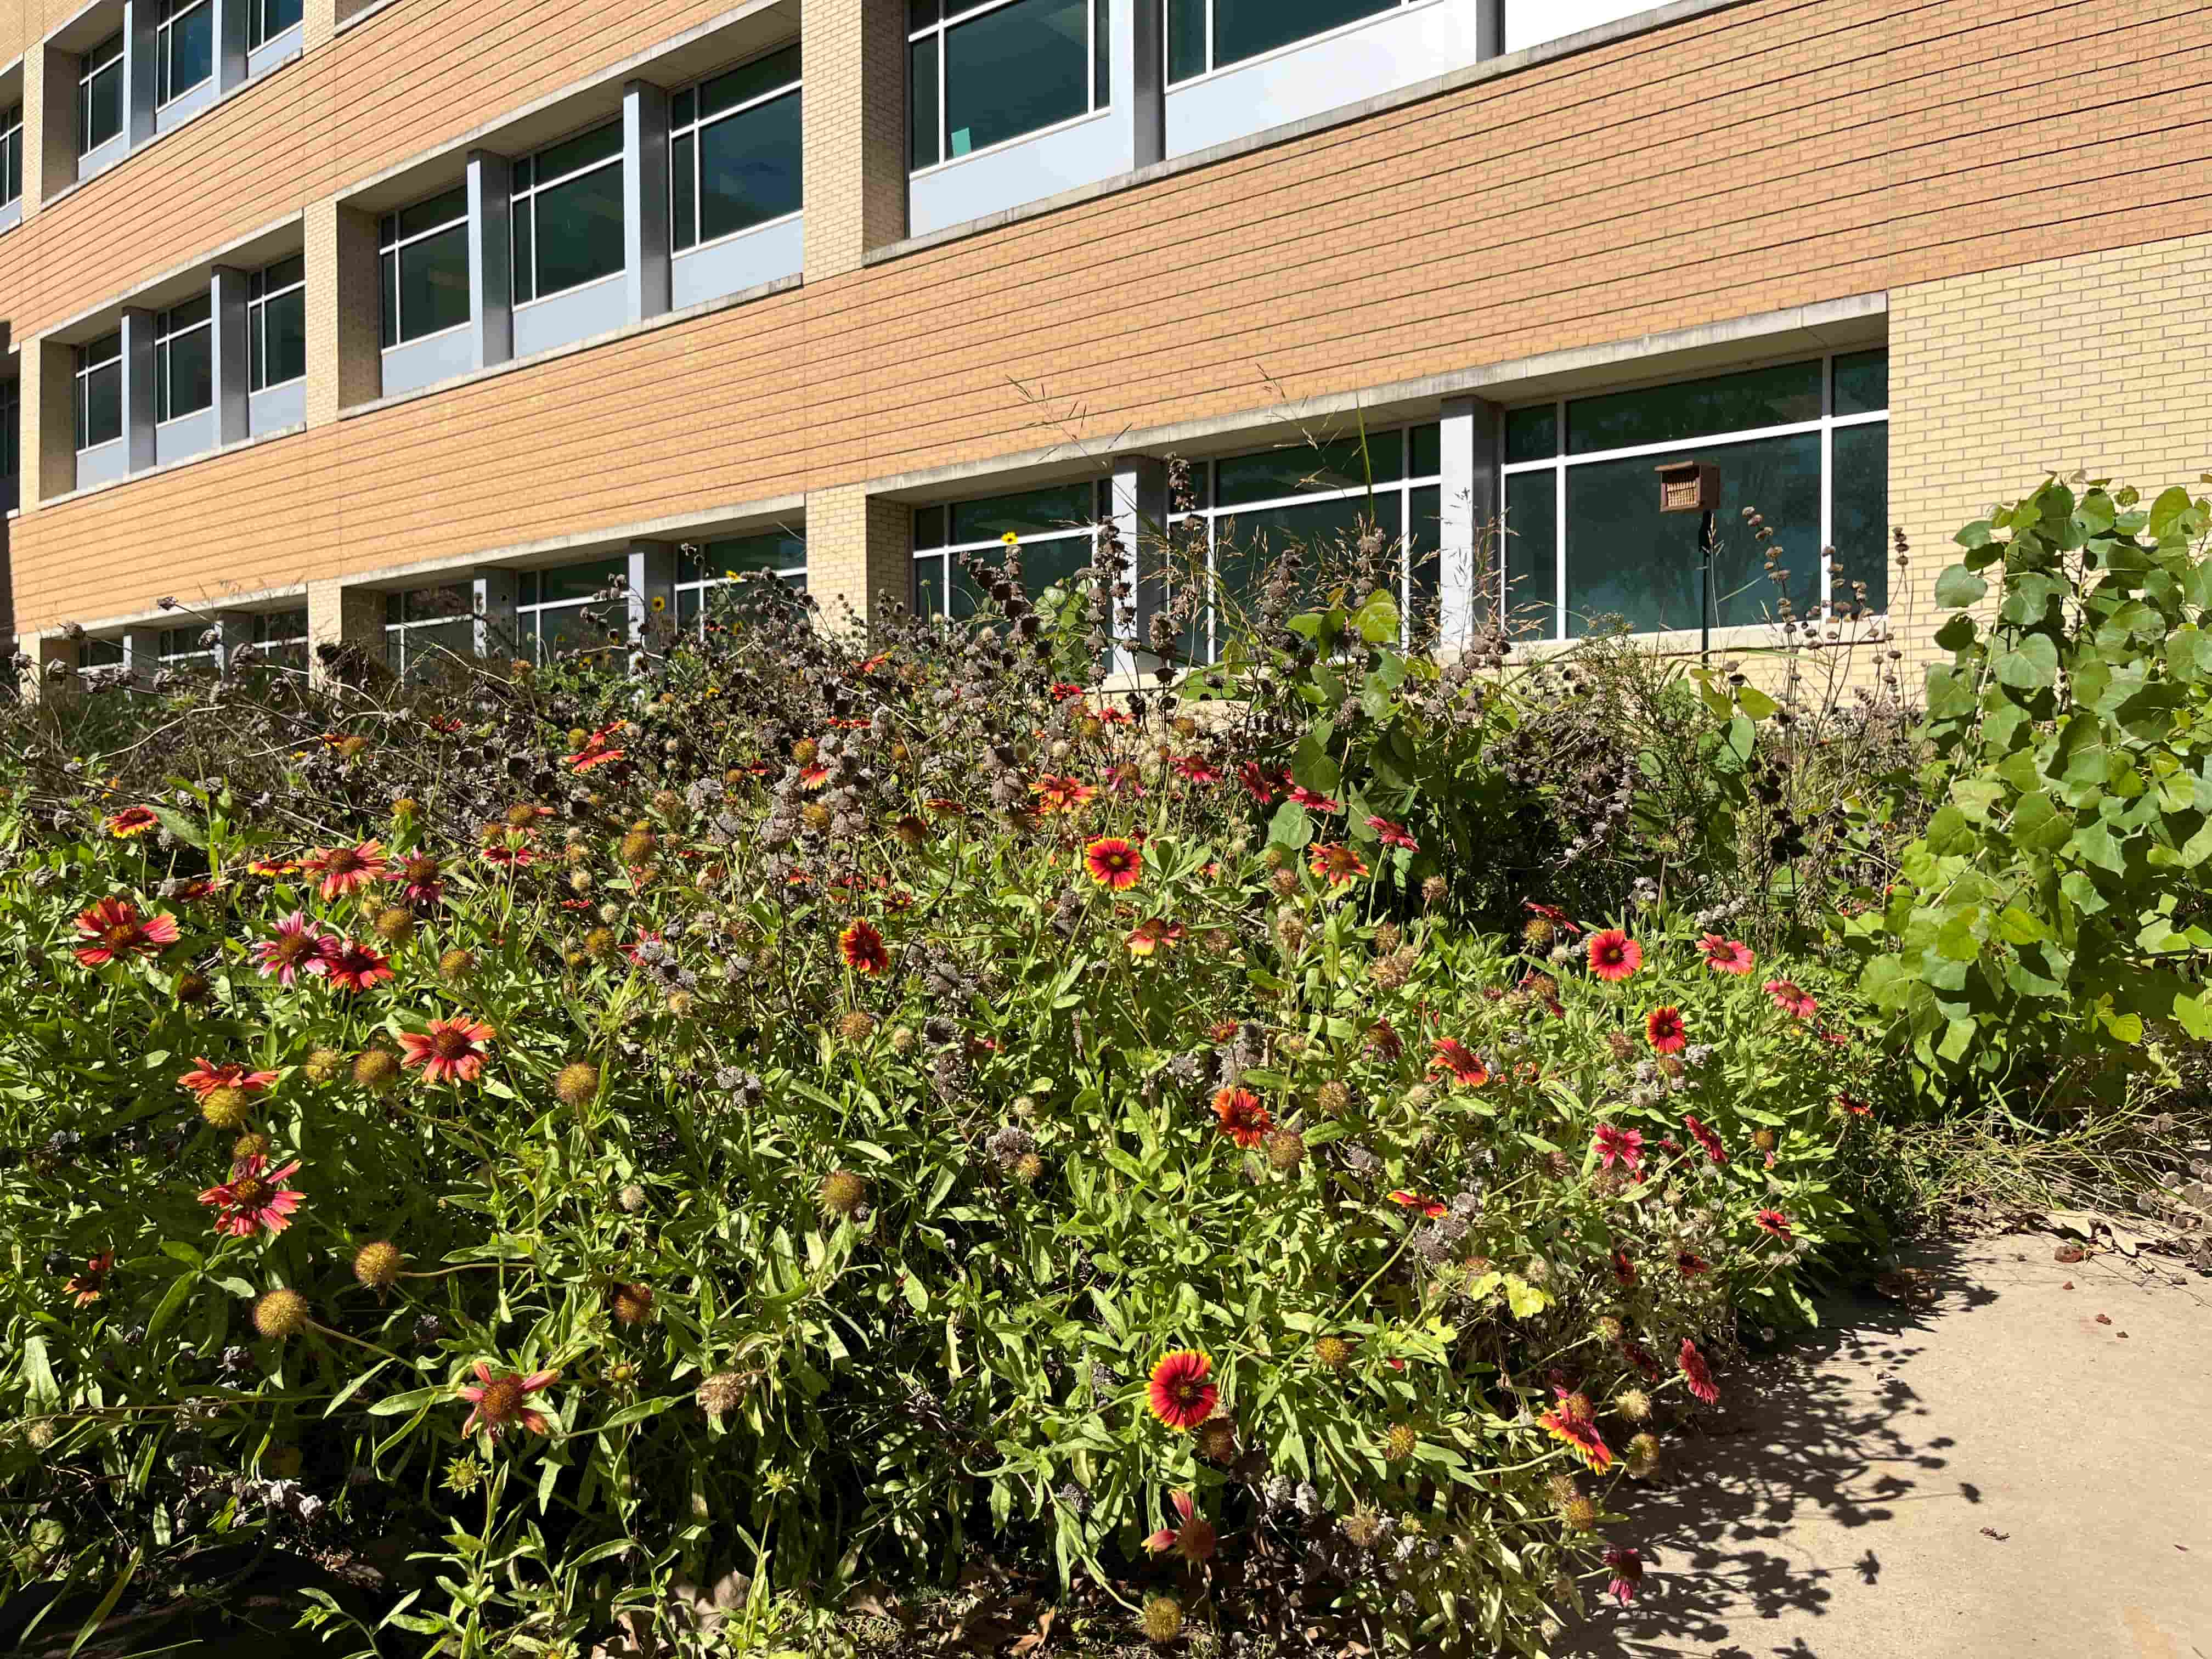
(979, 75)
(576, 608)
(184, 47)
(183, 360)
(1321, 498)
(734, 150)
(11, 155)
(720, 563)
(1056, 525)
(280, 638)
(424, 252)
(11, 445)
(276, 323)
(569, 214)
(1806, 444)
(190, 648)
(429, 627)
(1212, 34)
(100, 94)
(100, 654)
(100, 391)
(267, 19)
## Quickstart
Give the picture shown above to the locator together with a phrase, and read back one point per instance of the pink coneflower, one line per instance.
(1460, 1063)
(132, 822)
(1791, 999)
(1313, 802)
(1614, 956)
(1622, 1145)
(1195, 768)
(1179, 1393)
(1775, 1223)
(254, 1199)
(1242, 1118)
(1194, 1539)
(1570, 1420)
(350, 965)
(1627, 1573)
(346, 869)
(502, 1402)
(1703, 1135)
(1393, 834)
(294, 948)
(1697, 1373)
(1726, 956)
(1664, 1030)
(451, 1050)
(206, 1077)
(117, 931)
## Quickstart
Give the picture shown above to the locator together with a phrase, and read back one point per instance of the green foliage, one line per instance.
(2051, 915)
(822, 1264)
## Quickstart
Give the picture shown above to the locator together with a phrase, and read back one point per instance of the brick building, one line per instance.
(403, 321)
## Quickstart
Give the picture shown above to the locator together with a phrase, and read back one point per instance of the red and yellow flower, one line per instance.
(1726, 956)
(1620, 1146)
(1393, 834)
(1792, 999)
(132, 823)
(1337, 862)
(1194, 1539)
(206, 1077)
(89, 1286)
(1614, 956)
(1775, 1224)
(1113, 864)
(114, 931)
(502, 1402)
(862, 947)
(1057, 793)
(1181, 1394)
(1571, 1422)
(350, 965)
(1454, 1059)
(1157, 933)
(1696, 1374)
(1664, 1030)
(255, 1200)
(451, 1050)
(1243, 1119)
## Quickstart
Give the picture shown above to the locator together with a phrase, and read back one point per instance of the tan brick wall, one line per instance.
(49, 414)
(859, 547)
(852, 61)
(1830, 149)
(344, 365)
(2092, 362)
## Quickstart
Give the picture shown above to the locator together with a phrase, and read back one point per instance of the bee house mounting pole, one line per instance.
(1695, 487)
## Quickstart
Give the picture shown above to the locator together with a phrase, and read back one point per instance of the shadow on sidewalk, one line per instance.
(1792, 1439)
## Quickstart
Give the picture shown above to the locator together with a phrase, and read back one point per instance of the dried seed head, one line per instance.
(193, 987)
(1216, 1440)
(281, 1314)
(1400, 1442)
(395, 926)
(721, 1394)
(1581, 1513)
(324, 1066)
(252, 1144)
(1634, 1404)
(1644, 1456)
(1286, 1149)
(631, 1198)
(631, 1304)
(457, 965)
(1028, 1168)
(1162, 1619)
(857, 1026)
(843, 1193)
(1334, 1098)
(1364, 1527)
(376, 1068)
(226, 1109)
(600, 942)
(377, 1265)
(1763, 1140)
(905, 1041)
(638, 845)
(576, 1084)
(1610, 1328)
(1433, 891)
(682, 1003)
(1332, 1353)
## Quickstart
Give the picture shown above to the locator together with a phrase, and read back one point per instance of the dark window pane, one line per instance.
(434, 283)
(1102, 53)
(928, 527)
(428, 604)
(1532, 554)
(102, 421)
(1032, 513)
(922, 126)
(929, 586)
(579, 230)
(1186, 39)
(390, 262)
(1626, 558)
(519, 229)
(1778, 396)
(1325, 532)
(438, 211)
(683, 108)
(1861, 521)
(103, 654)
(283, 337)
(521, 175)
(1423, 538)
(272, 17)
(921, 14)
(1245, 28)
(284, 273)
(1013, 70)
(14, 175)
(683, 183)
(737, 554)
(762, 75)
(580, 627)
(270, 626)
(749, 168)
(1862, 382)
(599, 144)
(188, 54)
(1346, 463)
(1428, 451)
(1532, 434)
(185, 315)
(103, 108)
(581, 581)
(187, 379)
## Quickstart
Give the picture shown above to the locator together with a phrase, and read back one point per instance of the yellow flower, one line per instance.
(1010, 539)
(660, 602)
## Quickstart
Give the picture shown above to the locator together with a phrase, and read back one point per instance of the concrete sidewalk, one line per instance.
(1999, 1473)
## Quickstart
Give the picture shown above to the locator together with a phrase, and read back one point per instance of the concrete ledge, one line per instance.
(1491, 69)
(177, 465)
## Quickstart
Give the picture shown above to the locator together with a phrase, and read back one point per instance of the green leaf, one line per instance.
(1526, 1300)
(2194, 1017)
(2166, 511)
(2030, 666)
(1959, 587)
(1755, 703)
(1378, 619)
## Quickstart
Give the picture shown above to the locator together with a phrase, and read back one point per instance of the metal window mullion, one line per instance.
(1559, 544)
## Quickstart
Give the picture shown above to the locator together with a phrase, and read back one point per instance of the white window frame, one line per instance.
(405, 629)
(524, 199)
(1403, 487)
(209, 654)
(87, 72)
(695, 128)
(11, 144)
(951, 551)
(1211, 70)
(947, 20)
(706, 585)
(258, 296)
(530, 617)
(267, 641)
(258, 32)
(174, 12)
(80, 411)
(1827, 425)
(163, 335)
(394, 248)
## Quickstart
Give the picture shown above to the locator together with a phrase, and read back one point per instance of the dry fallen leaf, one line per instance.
(2104, 1319)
